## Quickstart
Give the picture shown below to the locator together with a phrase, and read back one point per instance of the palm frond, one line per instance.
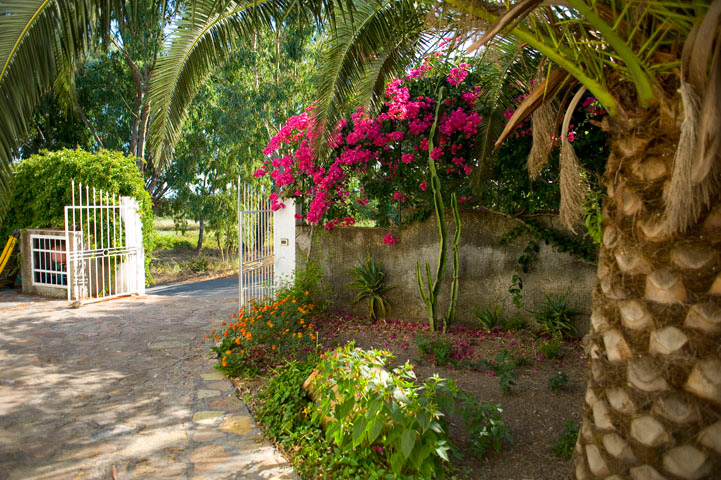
(365, 51)
(202, 40)
(505, 62)
(38, 39)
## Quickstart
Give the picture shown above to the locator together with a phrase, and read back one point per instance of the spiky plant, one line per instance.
(369, 279)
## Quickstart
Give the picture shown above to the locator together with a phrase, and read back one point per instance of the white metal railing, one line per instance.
(255, 245)
(104, 245)
(48, 260)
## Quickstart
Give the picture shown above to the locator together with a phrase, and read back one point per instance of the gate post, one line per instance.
(284, 243)
(134, 239)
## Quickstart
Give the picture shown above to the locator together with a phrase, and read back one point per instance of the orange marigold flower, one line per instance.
(273, 347)
(242, 352)
(294, 300)
(306, 292)
(207, 336)
(233, 315)
(217, 338)
(300, 335)
(227, 352)
(223, 323)
(237, 340)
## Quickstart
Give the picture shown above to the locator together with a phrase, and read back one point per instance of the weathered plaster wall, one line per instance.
(486, 267)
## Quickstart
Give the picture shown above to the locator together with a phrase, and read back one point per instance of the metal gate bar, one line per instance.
(103, 245)
(255, 245)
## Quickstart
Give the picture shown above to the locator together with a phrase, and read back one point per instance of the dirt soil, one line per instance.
(535, 415)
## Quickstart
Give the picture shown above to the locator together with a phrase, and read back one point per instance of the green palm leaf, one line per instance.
(202, 40)
(378, 41)
(38, 39)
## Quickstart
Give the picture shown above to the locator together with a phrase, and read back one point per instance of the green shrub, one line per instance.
(513, 323)
(270, 329)
(555, 316)
(550, 347)
(172, 242)
(489, 316)
(436, 348)
(563, 448)
(379, 424)
(558, 382)
(368, 278)
(198, 264)
(390, 414)
(42, 189)
(503, 367)
(486, 427)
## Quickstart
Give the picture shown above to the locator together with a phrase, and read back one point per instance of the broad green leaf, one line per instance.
(408, 440)
(359, 430)
(375, 427)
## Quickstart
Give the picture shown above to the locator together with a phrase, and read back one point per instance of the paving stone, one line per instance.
(202, 393)
(223, 386)
(226, 403)
(207, 435)
(212, 376)
(207, 417)
(208, 457)
(238, 424)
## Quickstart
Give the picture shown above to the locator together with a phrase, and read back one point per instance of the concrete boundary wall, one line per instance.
(486, 267)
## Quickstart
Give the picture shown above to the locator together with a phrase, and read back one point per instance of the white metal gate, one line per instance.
(255, 245)
(104, 246)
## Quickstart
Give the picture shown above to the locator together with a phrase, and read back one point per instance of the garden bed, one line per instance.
(536, 415)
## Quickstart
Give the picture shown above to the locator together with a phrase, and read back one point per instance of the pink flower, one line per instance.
(259, 173)
(390, 239)
(408, 158)
(457, 75)
(423, 185)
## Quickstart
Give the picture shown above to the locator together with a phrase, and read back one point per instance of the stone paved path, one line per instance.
(121, 389)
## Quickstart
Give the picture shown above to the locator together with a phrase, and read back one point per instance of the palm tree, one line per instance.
(654, 391)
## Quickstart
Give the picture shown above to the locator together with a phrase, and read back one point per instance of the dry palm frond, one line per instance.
(533, 101)
(695, 177)
(543, 121)
(574, 186)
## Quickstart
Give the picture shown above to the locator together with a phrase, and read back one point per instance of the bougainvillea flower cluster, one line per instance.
(386, 147)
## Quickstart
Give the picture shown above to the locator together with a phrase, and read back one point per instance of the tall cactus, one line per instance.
(433, 287)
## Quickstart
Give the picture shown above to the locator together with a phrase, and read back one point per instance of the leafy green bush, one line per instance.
(550, 347)
(513, 323)
(555, 316)
(198, 264)
(504, 368)
(172, 242)
(558, 382)
(486, 427)
(435, 348)
(42, 189)
(563, 448)
(368, 278)
(489, 316)
(388, 413)
(270, 329)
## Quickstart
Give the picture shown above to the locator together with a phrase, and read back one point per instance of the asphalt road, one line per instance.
(217, 288)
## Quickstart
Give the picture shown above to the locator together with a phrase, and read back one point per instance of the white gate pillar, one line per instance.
(134, 239)
(284, 243)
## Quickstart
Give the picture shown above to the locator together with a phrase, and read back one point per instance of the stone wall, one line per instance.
(486, 267)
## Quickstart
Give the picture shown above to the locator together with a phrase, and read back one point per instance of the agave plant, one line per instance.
(368, 278)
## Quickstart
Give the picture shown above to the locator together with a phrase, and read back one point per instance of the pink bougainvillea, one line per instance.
(390, 147)
(390, 239)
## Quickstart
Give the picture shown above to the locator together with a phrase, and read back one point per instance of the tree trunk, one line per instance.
(201, 231)
(654, 393)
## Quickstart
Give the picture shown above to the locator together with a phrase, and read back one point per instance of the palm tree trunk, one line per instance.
(654, 393)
